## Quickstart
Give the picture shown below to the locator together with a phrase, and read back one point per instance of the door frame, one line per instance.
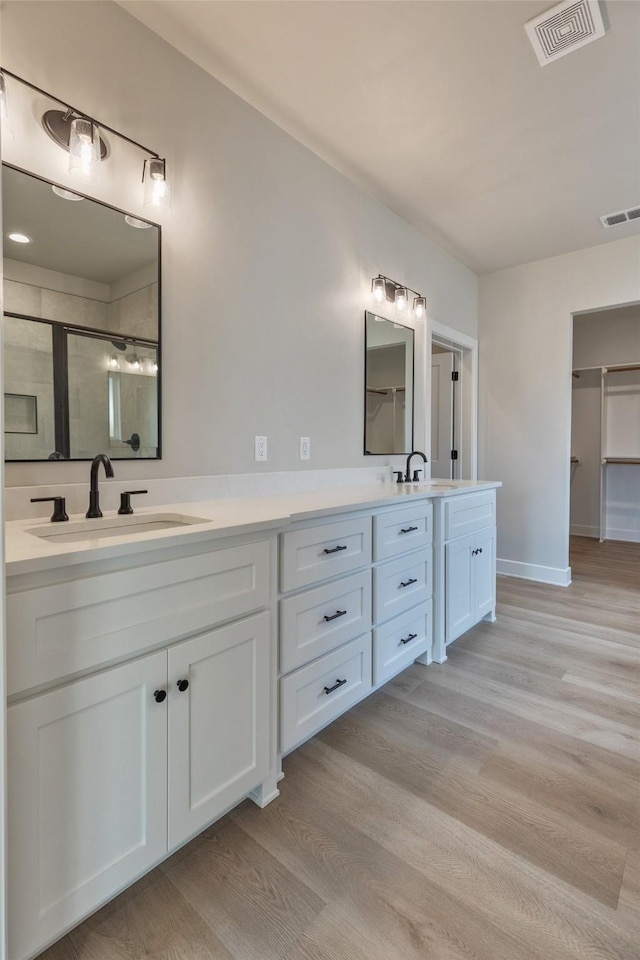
(467, 401)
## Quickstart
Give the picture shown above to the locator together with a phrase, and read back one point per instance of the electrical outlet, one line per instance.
(305, 448)
(261, 448)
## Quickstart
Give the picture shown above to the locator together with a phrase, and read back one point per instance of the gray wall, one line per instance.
(268, 252)
(525, 392)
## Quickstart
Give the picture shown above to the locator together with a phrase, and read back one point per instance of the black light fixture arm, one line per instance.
(80, 113)
(392, 285)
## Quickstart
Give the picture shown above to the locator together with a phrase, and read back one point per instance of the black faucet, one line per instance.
(407, 475)
(94, 497)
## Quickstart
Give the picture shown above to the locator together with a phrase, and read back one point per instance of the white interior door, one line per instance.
(441, 414)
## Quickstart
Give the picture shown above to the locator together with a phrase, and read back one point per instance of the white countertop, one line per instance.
(224, 517)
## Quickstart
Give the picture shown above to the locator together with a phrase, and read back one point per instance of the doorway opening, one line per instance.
(605, 425)
(452, 424)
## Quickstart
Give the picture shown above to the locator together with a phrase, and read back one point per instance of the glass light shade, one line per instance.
(419, 308)
(378, 289)
(114, 363)
(156, 186)
(5, 119)
(402, 298)
(84, 148)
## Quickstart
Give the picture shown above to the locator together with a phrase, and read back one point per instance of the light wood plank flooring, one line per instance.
(486, 809)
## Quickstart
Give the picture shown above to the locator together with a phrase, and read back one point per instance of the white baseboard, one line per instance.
(583, 530)
(558, 576)
(629, 536)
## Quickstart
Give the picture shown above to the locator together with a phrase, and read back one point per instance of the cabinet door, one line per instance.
(484, 566)
(460, 612)
(219, 724)
(87, 802)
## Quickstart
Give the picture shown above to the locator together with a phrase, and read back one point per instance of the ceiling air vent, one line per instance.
(564, 28)
(623, 216)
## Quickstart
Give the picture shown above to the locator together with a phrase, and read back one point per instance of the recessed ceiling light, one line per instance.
(134, 222)
(19, 238)
(65, 194)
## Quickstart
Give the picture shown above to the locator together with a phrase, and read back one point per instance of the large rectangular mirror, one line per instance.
(81, 325)
(389, 360)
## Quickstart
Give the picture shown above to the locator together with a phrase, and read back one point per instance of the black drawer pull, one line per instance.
(334, 549)
(159, 695)
(338, 683)
(407, 583)
(334, 616)
(182, 685)
(474, 553)
(408, 639)
(407, 529)
(479, 549)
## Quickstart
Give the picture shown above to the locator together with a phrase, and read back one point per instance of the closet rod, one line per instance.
(622, 368)
(621, 460)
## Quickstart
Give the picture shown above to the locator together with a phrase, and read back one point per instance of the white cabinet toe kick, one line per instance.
(150, 695)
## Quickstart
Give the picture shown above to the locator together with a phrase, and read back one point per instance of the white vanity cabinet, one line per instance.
(111, 771)
(470, 562)
(372, 570)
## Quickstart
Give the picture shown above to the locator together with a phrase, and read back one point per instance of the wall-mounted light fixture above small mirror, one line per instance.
(389, 394)
(82, 325)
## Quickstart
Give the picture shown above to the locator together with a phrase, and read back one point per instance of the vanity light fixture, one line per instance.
(114, 363)
(19, 237)
(156, 186)
(383, 289)
(138, 224)
(81, 135)
(401, 299)
(5, 119)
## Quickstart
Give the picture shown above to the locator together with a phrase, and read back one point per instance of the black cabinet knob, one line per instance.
(182, 685)
(159, 695)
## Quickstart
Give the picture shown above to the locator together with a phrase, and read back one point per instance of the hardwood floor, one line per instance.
(485, 809)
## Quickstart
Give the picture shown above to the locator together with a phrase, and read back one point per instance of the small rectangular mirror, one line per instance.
(389, 362)
(82, 315)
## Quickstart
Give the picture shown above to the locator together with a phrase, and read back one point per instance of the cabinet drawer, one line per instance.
(328, 550)
(402, 584)
(469, 512)
(63, 629)
(317, 621)
(318, 693)
(402, 530)
(399, 642)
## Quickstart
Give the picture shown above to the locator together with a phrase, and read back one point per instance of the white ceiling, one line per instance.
(440, 109)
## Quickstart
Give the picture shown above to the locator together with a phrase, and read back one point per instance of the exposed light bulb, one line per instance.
(156, 186)
(402, 296)
(84, 148)
(378, 289)
(5, 119)
(419, 308)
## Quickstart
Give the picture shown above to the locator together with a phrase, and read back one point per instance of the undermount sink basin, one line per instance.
(77, 531)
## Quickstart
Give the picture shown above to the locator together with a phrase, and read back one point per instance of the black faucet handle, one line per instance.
(398, 475)
(416, 476)
(125, 500)
(59, 507)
